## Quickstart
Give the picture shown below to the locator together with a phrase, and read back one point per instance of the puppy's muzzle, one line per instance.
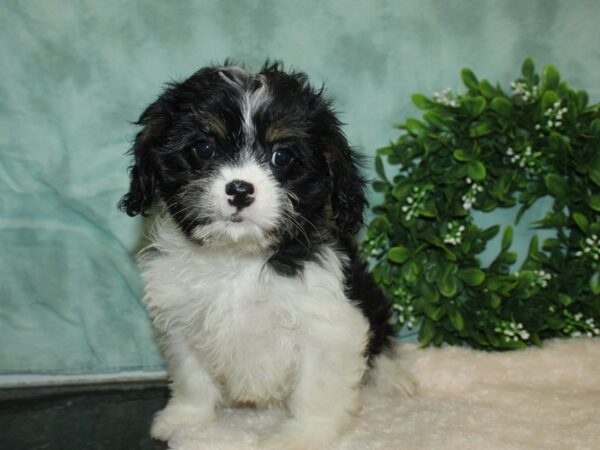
(240, 192)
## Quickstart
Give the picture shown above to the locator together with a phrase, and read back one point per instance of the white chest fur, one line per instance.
(247, 325)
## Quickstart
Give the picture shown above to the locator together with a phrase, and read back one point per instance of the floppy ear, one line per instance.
(144, 171)
(348, 200)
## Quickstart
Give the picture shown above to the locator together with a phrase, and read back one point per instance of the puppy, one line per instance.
(252, 281)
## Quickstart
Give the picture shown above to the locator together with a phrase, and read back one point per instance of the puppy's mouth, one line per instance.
(236, 217)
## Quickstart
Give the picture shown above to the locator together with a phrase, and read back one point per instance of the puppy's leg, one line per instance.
(326, 396)
(194, 395)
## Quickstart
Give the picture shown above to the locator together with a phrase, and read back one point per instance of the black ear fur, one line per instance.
(144, 171)
(348, 200)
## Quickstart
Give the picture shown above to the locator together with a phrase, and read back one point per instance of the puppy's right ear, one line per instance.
(143, 173)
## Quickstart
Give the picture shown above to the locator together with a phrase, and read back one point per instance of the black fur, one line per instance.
(324, 181)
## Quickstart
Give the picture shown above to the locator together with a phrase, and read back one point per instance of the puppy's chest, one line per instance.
(241, 308)
(248, 331)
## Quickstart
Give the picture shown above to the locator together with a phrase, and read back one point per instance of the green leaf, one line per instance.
(507, 238)
(449, 286)
(595, 283)
(379, 169)
(379, 186)
(581, 222)
(594, 202)
(474, 105)
(420, 101)
(550, 77)
(582, 100)
(401, 190)
(472, 276)
(476, 170)
(429, 209)
(528, 69)
(398, 254)
(554, 323)
(469, 79)
(434, 119)
(556, 185)
(548, 100)
(479, 129)
(428, 291)
(595, 127)
(415, 127)
(565, 299)
(434, 313)
(594, 167)
(550, 244)
(502, 106)
(456, 318)
(489, 233)
(461, 155)
(495, 301)
(427, 332)
(533, 248)
(487, 89)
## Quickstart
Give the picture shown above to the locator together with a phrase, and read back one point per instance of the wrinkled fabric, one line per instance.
(75, 74)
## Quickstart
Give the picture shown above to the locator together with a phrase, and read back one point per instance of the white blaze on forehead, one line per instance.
(253, 101)
(252, 98)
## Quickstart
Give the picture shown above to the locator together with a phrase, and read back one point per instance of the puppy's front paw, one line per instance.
(178, 415)
(296, 435)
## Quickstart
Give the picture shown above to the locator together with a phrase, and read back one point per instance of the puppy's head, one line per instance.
(244, 158)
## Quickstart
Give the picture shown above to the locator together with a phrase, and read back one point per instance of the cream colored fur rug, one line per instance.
(532, 399)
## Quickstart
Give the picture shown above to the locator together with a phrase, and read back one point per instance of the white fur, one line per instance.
(235, 331)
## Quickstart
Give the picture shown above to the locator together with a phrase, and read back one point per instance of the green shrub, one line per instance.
(483, 150)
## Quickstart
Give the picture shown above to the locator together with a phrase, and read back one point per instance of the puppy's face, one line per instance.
(249, 159)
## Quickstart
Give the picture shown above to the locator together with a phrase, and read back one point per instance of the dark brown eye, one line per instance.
(203, 150)
(282, 158)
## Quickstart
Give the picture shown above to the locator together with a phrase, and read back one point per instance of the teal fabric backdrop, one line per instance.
(75, 73)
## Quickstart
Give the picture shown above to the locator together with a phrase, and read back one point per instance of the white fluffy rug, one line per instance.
(531, 399)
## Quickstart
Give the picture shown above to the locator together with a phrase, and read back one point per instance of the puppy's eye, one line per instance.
(203, 150)
(282, 158)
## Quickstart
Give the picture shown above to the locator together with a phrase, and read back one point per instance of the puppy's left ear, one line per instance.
(348, 199)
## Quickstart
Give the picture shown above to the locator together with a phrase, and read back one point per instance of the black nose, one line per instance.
(240, 192)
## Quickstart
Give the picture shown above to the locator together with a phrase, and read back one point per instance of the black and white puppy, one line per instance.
(251, 279)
